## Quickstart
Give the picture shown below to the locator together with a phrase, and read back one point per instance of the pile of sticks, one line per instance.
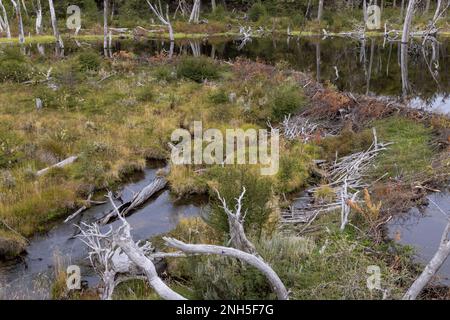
(346, 176)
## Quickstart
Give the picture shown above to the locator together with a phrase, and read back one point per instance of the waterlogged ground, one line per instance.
(31, 277)
(369, 67)
(117, 115)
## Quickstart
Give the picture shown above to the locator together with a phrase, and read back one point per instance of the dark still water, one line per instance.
(371, 66)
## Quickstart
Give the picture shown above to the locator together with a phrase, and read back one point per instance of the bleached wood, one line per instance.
(140, 198)
(258, 263)
(61, 164)
(56, 34)
(433, 266)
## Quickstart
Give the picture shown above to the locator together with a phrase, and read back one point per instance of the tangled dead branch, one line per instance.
(298, 127)
(346, 176)
(115, 256)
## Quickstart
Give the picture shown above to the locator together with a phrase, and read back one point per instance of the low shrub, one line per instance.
(286, 99)
(197, 69)
(89, 61)
(14, 66)
(230, 182)
(256, 11)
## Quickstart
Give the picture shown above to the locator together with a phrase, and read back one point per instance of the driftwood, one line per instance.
(88, 204)
(61, 164)
(434, 265)
(344, 174)
(258, 263)
(140, 198)
(116, 256)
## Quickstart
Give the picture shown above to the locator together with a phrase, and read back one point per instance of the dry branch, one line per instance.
(61, 164)
(158, 184)
(433, 266)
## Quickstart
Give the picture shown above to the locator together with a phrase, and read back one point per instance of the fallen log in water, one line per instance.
(61, 164)
(140, 198)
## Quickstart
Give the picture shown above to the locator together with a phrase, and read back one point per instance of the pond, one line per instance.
(368, 66)
(371, 66)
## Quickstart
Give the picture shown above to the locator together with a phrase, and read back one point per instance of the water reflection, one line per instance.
(366, 66)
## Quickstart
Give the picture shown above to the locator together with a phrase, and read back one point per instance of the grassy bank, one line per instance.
(115, 114)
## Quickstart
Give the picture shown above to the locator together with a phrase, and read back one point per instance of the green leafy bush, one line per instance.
(285, 100)
(197, 69)
(257, 11)
(89, 61)
(230, 182)
(14, 66)
(218, 96)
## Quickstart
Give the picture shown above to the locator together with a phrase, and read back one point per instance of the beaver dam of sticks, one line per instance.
(80, 135)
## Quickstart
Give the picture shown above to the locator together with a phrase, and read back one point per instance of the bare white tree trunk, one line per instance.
(195, 13)
(213, 5)
(38, 17)
(58, 38)
(432, 267)
(114, 252)
(105, 25)
(18, 11)
(365, 12)
(320, 10)
(438, 9)
(158, 11)
(236, 224)
(408, 20)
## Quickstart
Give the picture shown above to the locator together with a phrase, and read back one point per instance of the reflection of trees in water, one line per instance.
(364, 66)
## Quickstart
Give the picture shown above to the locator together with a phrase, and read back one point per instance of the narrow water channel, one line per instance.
(422, 229)
(31, 277)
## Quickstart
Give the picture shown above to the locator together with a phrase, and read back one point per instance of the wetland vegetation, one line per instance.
(357, 147)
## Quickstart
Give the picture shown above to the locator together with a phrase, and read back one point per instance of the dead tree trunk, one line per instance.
(140, 198)
(115, 252)
(5, 20)
(105, 26)
(195, 13)
(38, 17)
(432, 267)
(408, 20)
(320, 11)
(438, 9)
(158, 11)
(258, 263)
(213, 5)
(56, 34)
(17, 9)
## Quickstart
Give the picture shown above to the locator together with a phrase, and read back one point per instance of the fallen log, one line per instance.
(158, 184)
(88, 204)
(61, 164)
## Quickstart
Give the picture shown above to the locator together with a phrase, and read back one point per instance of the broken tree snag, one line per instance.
(61, 164)
(158, 11)
(158, 184)
(55, 25)
(238, 238)
(433, 266)
(258, 263)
